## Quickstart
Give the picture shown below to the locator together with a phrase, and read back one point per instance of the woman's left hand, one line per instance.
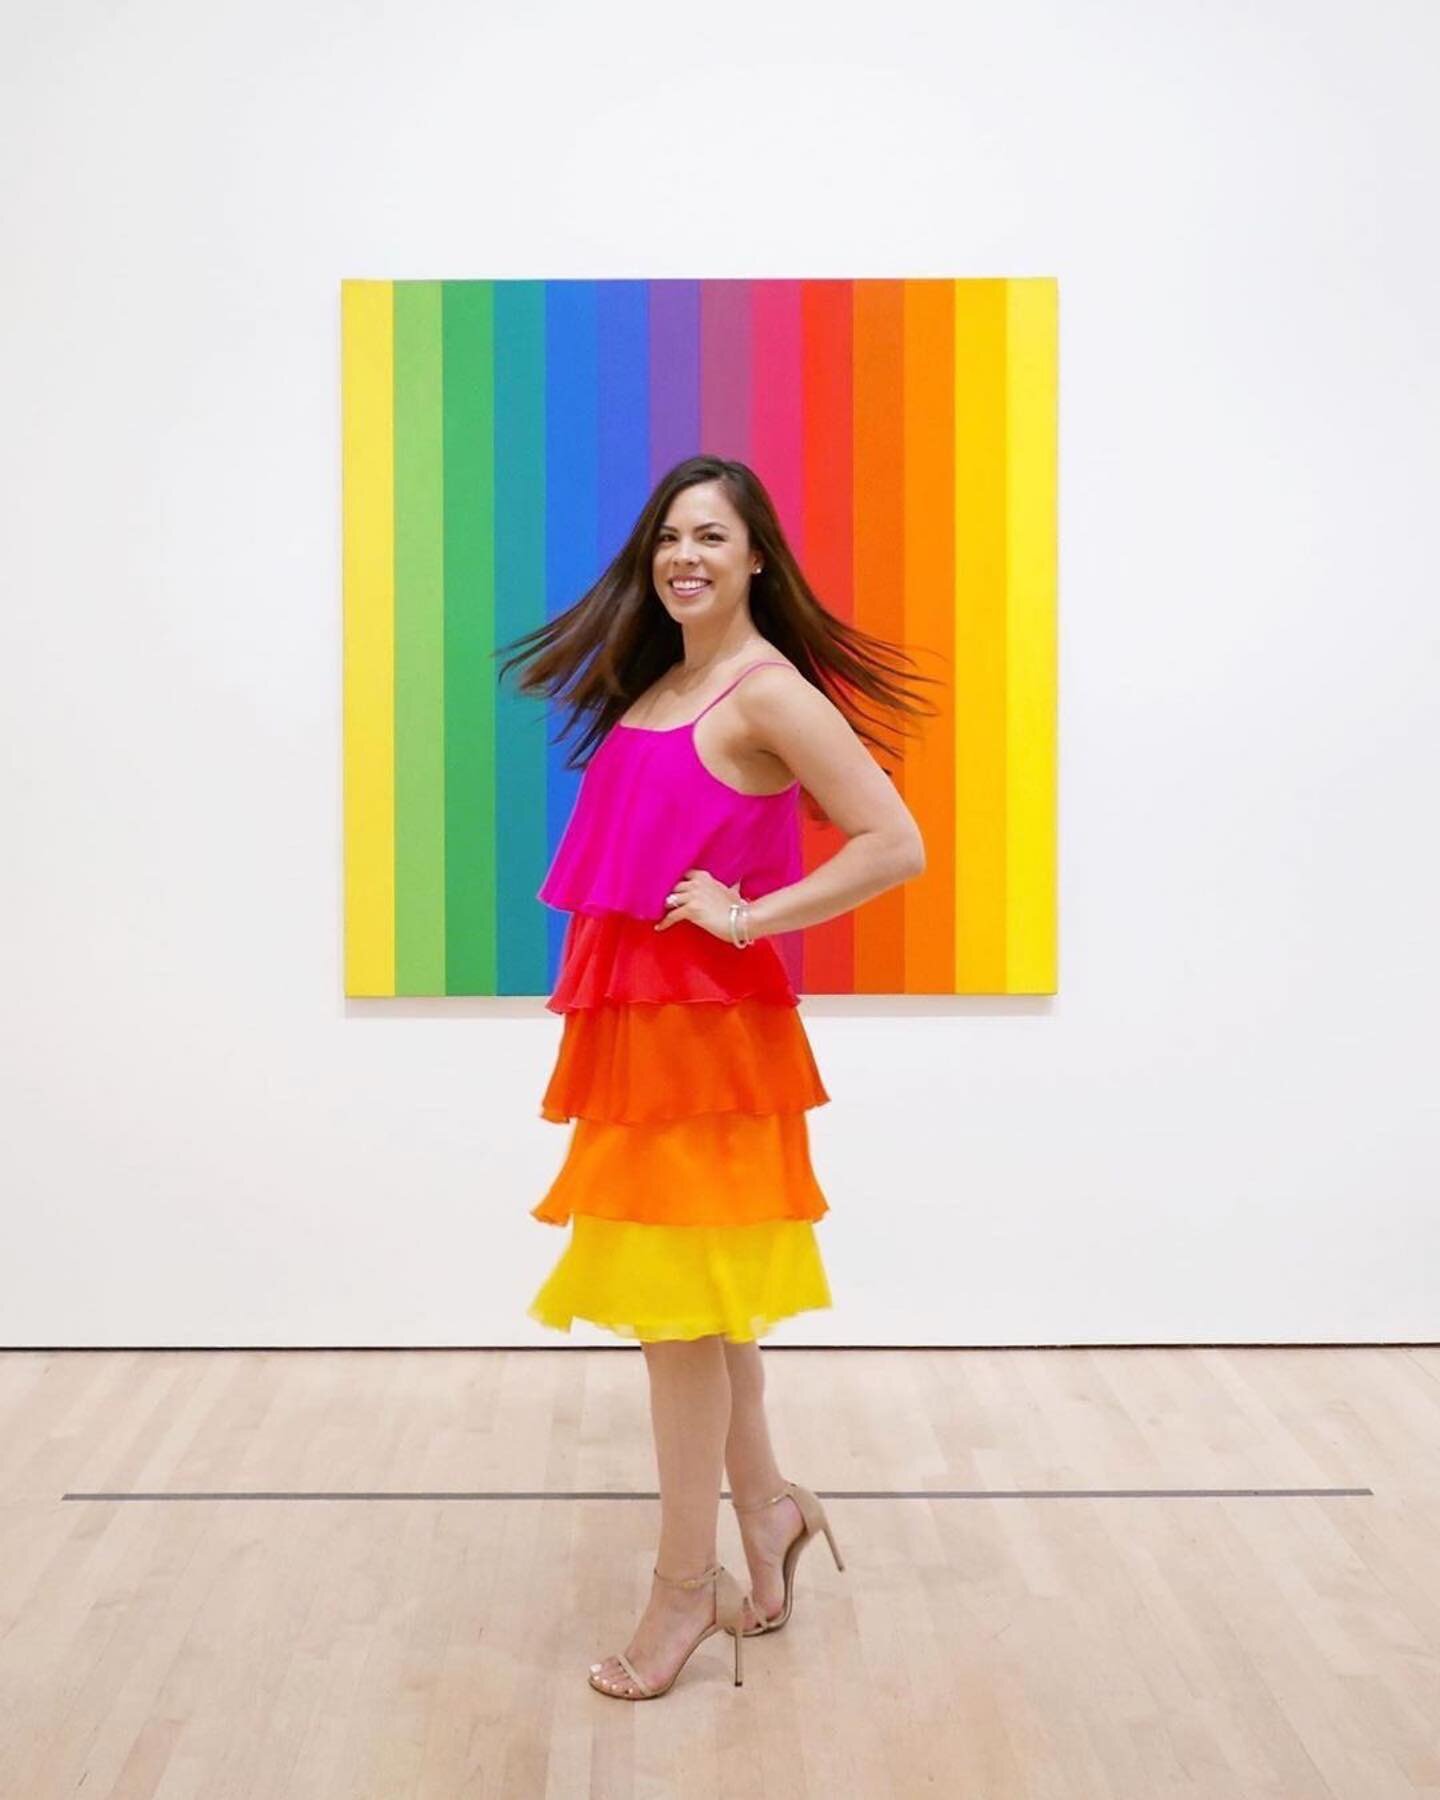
(706, 902)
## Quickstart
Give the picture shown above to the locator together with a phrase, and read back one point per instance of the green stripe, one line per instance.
(471, 949)
(419, 643)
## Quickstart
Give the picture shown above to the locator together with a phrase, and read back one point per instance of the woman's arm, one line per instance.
(786, 715)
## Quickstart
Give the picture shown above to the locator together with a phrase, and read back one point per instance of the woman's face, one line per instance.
(703, 561)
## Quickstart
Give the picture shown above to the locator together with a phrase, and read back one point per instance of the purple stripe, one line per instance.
(674, 373)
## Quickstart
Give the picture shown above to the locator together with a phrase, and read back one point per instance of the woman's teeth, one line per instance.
(688, 587)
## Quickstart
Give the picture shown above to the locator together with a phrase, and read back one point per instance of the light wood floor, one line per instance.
(979, 1644)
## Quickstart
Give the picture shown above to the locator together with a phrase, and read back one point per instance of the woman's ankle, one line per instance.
(750, 1498)
(691, 1574)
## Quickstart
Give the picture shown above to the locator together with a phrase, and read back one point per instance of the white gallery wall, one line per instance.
(1224, 1126)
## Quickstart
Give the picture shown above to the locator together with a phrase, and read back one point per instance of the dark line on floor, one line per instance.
(1239, 1493)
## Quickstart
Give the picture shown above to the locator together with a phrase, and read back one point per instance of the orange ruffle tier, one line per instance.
(641, 1062)
(685, 1068)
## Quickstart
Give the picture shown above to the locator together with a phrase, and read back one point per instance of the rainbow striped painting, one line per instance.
(499, 438)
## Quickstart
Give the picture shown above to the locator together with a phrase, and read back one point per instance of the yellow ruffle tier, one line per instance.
(659, 1282)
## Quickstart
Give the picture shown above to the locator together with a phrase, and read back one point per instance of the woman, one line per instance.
(702, 659)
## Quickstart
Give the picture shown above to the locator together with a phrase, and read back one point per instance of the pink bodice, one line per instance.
(648, 809)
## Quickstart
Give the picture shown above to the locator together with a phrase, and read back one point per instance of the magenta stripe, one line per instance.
(777, 434)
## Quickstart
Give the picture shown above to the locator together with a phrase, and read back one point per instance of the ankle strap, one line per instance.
(760, 1505)
(690, 1581)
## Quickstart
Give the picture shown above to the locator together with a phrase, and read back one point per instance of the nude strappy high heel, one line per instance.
(813, 1516)
(729, 1616)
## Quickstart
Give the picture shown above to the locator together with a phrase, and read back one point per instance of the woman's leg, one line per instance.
(690, 1415)
(755, 1475)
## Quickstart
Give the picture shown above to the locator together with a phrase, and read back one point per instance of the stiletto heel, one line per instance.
(813, 1520)
(730, 1601)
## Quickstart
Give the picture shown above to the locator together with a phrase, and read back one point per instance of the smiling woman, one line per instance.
(684, 1069)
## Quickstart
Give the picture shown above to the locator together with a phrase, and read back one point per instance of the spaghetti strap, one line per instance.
(771, 664)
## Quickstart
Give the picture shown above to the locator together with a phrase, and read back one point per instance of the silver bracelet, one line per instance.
(740, 924)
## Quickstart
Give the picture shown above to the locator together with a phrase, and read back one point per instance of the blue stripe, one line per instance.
(624, 387)
(572, 556)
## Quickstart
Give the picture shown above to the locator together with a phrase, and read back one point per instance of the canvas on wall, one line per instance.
(499, 438)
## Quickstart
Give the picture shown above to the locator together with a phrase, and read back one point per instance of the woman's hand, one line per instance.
(706, 902)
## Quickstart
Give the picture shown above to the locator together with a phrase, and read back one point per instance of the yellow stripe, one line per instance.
(1030, 672)
(368, 446)
(980, 545)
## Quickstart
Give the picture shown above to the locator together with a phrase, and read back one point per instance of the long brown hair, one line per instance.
(617, 639)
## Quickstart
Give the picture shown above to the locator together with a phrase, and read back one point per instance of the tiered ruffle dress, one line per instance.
(683, 1063)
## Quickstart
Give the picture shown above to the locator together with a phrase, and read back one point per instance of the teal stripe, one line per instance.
(419, 643)
(521, 725)
(471, 939)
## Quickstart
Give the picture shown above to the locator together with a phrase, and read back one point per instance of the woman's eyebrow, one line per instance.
(709, 525)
